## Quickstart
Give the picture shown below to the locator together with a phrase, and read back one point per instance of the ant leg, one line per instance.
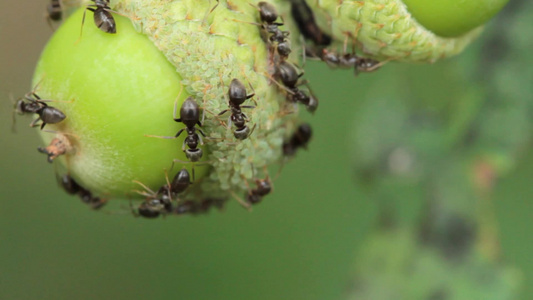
(278, 84)
(13, 114)
(176, 104)
(223, 112)
(241, 202)
(34, 123)
(133, 211)
(160, 136)
(201, 132)
(211, 10)
(145, 187)
(83, 21)
(252, 131)
(168, 184)
(229, 122)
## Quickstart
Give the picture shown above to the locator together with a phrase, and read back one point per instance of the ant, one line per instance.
(103, 19)
(299, 139)
(181, 181)
(348, 61)
(237, 95)
(155, 204)
(264, 187)
(36, 105)
(54, 12)
(305, 20)
(289, 76)
(161, 201)
(194, 208)
(73, 188)
(190, 116)
(269, 15)
(151, 208)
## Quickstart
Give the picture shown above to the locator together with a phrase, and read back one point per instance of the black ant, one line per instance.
(160, 202)
(269, 15)
(348, 61)
(73, 188)
(289, 76)
(305, 20)
(36, 105)
(190, 116)
(264, 187)
(151, 208)
(237, 95)
(103, 19)
(299, 139)
(155, 204)
(54, 11)
(180, 183)
(194, 208)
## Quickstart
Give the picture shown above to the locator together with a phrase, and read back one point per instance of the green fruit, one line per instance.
(451, 18)
(121, 88)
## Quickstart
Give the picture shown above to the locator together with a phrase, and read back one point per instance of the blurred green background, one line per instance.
(303, 240)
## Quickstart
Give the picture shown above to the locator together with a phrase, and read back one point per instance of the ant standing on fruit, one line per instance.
(35, 105)
(73, 188)
(190, 116)
(103, 19)
(237, 95)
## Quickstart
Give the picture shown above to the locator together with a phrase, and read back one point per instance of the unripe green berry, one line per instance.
(451, 18)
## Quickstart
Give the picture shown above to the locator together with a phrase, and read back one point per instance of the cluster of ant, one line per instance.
(305, 20)
(284, 71)
(162, 201)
